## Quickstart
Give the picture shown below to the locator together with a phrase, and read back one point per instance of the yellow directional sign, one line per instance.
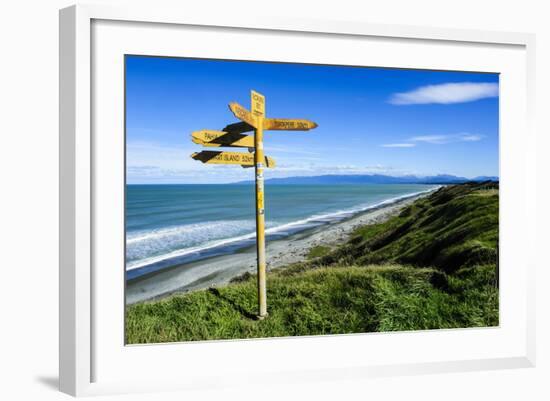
(221, 138)
(242, 114)
(257, 101)
(243, 159)
(287, 124)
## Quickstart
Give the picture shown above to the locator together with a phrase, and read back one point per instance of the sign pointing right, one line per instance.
(287, 124)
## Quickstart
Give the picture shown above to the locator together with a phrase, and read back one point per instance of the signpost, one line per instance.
(257, 104)
(233, 136)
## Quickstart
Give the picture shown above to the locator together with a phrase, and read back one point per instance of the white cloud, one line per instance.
(448, 93)
(291, 150)
(471, 137)
(217, 174)
(398, 145)
(154, 162)
(311, 169)
(435, 140)
(443, 139)
(199, 174)
(150, 153)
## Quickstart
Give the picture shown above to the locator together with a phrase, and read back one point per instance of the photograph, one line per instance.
(273, 199)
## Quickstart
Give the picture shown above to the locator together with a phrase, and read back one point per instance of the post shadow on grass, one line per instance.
(240, 309)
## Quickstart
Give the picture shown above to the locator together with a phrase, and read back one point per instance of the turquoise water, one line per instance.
(174, 224)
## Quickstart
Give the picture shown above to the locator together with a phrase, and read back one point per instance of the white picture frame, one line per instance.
(83, 214)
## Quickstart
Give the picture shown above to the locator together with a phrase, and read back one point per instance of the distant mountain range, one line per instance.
(373, 179)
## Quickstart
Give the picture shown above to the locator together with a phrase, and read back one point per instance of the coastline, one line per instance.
(219, 270)
(432, 265)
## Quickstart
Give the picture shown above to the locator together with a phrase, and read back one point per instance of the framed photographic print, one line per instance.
(352, 195)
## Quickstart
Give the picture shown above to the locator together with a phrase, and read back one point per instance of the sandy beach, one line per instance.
(218, 271)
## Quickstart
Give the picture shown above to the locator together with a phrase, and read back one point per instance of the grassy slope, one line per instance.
(433, 266)
(453, 228)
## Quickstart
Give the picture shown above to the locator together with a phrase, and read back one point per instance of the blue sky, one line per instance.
(371, 120)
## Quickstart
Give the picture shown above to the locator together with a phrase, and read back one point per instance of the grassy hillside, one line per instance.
(433, 266)
(453, 228)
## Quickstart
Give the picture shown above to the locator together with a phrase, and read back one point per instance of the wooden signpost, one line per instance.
(233, 136)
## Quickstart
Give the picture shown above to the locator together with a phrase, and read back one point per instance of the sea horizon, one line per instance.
(448, 179)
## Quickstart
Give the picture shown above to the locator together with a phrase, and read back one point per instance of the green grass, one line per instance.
(329, 300)
(318, 251)
(433, 266)
(453, 228)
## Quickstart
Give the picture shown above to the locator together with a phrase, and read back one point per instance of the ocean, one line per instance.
(168, 225)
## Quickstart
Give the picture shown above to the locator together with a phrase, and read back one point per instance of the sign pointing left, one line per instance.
(216, 157)
(220, 138)
(243, 114)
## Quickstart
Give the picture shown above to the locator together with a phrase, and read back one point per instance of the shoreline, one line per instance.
(219, 270)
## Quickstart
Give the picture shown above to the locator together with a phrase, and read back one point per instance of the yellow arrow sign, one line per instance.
(221, 138)
(286, 124)
(243, 159)
(242, 114)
